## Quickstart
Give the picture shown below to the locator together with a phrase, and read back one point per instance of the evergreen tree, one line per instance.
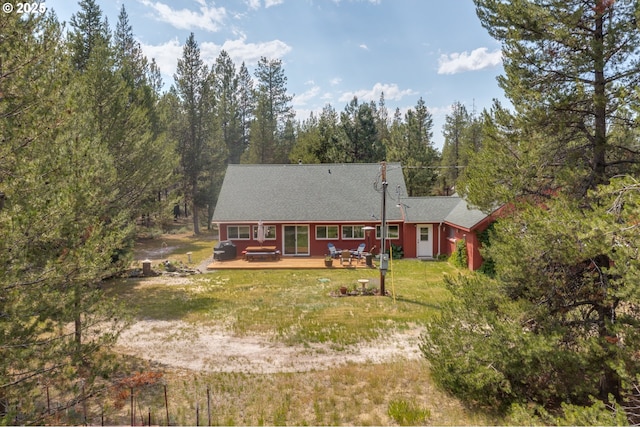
(382, 120)
(90, 30)
(331, 135)
(132, 64)
(59, 237)
(194, 131)
(362, 142)
(319, 139)
(121, 107)
(453, 149)
(245, 104)
(308, 148)
(262, 140)
(228, 106)
(272, 113)
(559, 321)
(411, 145)
(568, 69)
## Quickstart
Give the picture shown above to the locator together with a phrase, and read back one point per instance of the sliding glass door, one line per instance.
(296, 239)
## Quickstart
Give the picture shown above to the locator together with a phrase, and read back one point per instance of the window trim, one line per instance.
(266, 228)
(238, 227)
(353, 228)
(327, 226)
(389, 237)
(451, 233)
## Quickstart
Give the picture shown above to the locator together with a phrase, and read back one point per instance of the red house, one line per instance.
(303, 208)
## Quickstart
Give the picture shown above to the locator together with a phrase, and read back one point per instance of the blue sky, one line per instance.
(331, 50)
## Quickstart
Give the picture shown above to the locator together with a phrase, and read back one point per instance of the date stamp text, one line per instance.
(22, 8)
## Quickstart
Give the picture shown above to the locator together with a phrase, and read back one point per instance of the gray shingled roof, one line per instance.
(464, 215)
(330, 192)
(309, 192)
(428, 209)
(451, 209)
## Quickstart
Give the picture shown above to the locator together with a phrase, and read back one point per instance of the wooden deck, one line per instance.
(285, 262)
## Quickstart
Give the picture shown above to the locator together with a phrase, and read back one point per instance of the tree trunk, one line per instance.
(598, 165)
(194, 207)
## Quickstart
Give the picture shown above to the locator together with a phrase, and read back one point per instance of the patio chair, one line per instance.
(335, 253)
(345, 257)
(359, 252)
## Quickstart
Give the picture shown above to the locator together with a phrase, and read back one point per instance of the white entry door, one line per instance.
(425, 241)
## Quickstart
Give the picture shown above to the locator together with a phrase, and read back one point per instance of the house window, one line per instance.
(269, 232)
(393, 231)
(452, 233)
(238, 232)
(352, 232)
(324, 232)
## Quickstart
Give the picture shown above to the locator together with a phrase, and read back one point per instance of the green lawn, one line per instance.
(297, 306)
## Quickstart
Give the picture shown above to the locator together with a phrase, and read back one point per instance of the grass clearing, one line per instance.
(294, 306)
(353, 394)
(176, 247)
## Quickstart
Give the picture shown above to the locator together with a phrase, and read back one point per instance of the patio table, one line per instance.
(261, 252)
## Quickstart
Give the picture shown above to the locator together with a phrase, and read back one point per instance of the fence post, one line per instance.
(133, 414)
(208, 406)
(166, 403)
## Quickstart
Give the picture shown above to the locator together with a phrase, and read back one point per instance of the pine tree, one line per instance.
(412, 145)
(90, 30)
(568, 69)
(452, 151)
(228, 106)
(59, 238)
(194, 133)
(559, 321)
(308, 147)
(272, 112)
(362, 143)
(245, 104)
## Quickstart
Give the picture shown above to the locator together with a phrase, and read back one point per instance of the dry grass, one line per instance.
(294, 308)
(356, 394)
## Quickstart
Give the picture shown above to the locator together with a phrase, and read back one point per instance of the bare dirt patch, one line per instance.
(178, 344)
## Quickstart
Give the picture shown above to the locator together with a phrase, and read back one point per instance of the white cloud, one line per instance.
(356, 1)
(364, 46)
(478, 59)
(335, 81)
(207, 18)
(306, 96)
(269, 3)
(249, 53)
(255, 4)
(391, 92)
(167, 54)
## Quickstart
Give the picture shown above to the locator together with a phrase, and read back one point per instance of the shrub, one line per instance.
(459, 257)
(397, 251)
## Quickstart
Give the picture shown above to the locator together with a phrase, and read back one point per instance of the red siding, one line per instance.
(445, 235)
(317, 247)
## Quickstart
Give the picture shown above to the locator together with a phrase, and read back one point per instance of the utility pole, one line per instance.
(384, 258)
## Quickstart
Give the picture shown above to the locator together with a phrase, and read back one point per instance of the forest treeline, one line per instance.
(90, 141)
